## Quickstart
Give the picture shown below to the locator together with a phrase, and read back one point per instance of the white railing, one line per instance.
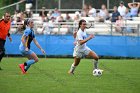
(12, 5)
(96, 28)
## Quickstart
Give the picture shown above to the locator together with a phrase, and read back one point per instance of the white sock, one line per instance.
(72, 68)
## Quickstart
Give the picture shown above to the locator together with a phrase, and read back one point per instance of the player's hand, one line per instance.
(10, 39)
(26, 49)
(43, 51)
(91, 36)
(74, 43)
(74, 34)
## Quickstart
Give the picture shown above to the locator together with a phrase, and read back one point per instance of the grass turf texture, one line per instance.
(50, 76)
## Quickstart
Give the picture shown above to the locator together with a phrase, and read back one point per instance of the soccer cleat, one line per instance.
(22, 68)
(71, 73)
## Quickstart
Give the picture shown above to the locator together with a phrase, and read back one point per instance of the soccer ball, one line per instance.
(97, 72)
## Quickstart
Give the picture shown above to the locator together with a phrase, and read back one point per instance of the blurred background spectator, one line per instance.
(68, 18)
(122, 9)
(119, 25)
(56, 13)
(115, 14)
(134, 8)
(103, 13)
(48, 26)
(127, 14)
(92, 11)
(29, 4)
(84, 12)
(43, 13)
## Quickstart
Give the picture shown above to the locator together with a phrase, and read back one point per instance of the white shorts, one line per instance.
(80, 53)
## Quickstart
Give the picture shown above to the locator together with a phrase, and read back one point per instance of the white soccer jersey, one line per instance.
(81, 50)
(81, 35)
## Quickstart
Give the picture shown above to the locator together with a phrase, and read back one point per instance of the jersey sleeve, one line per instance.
(79, 36)
(27, 32)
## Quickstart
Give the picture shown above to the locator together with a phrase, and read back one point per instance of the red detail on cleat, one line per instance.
(22, 68)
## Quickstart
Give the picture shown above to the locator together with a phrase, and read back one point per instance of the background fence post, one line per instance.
(111, 29)
(138, 30)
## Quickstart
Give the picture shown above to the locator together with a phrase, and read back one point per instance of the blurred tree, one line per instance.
(10, 9)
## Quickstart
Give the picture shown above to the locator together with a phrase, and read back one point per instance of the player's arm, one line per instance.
(9, 36)
(24, 40)
(85, 40)
(74, 34)
(37, 44)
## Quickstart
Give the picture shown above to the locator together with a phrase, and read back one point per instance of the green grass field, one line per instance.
(50, 76)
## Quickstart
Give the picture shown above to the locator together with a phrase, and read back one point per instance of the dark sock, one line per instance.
(25, 64)
(2, 53)
(95, 64)
(28, 64)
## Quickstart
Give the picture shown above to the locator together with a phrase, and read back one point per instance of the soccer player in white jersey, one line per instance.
(81, 49)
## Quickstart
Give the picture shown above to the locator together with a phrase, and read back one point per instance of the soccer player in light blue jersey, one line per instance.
(24, 47)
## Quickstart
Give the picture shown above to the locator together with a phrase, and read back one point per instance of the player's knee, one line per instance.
(36, 59)
(96, 58)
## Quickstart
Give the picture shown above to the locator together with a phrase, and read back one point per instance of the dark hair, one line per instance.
(114, 6)
(135, 3)
(24, 25)
(80, 23)
(121, 2)
(26, 22)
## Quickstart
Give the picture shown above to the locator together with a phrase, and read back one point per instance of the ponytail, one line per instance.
(78, 27)
(80, 22)
(26, 22)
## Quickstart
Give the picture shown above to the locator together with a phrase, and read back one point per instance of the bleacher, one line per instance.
(103, 28)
